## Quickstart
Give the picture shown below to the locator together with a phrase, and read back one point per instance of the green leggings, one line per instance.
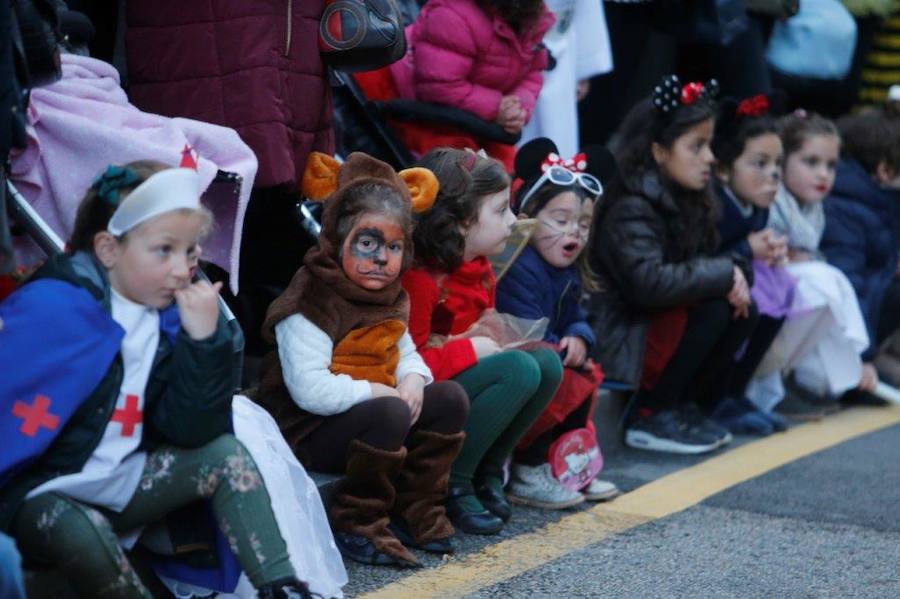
(81, 540)
(507, 391)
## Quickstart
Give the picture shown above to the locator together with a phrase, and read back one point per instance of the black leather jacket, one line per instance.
(644, 266)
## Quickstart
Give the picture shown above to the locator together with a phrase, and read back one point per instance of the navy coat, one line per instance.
(862, 237)
(532, 288)
(735, 226)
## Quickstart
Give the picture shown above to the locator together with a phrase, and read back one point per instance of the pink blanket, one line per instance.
(84, 122)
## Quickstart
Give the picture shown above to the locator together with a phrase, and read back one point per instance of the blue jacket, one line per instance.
(533, 289)
(862, 237)
(735, 226)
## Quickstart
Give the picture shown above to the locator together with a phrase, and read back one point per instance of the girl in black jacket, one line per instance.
(671, 315)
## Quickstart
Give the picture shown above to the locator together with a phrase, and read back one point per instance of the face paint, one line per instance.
(563, 228)
(372, 254)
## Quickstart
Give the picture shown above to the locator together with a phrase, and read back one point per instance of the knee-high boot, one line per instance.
(364, 497)
(422, 484)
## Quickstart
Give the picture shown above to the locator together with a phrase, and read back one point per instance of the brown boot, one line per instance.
(422, 486)
(361, 502)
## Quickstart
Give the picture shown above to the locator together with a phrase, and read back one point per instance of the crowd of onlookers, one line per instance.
(720, 245)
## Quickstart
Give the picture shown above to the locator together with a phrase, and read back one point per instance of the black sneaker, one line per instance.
(704, 426)
(668, 432)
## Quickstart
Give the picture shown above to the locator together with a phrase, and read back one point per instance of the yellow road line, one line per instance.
(667, 495)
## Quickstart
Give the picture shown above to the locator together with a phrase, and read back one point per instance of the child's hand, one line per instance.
(411, 390)
(759, 244)
(768, 246)
(739, 296)
(778, 248)
(198, 306)
(576, 351)
(869, 378)
(484, 347)
(510, 114)
(382, 390)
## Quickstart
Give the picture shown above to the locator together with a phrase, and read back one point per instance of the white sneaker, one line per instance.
(600, 490)
(536, 486)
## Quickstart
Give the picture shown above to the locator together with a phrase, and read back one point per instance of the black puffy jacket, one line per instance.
(644, 265)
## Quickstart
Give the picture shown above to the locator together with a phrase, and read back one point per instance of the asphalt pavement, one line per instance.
(825, 525)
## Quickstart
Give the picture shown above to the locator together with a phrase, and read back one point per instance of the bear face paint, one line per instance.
(372, 254)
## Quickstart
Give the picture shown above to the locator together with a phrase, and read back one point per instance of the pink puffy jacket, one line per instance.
(463, 57)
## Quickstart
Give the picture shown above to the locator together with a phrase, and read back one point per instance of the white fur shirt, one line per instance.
(305, 352)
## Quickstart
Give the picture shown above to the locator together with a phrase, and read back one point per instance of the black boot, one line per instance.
(494, 500)
(474, 523)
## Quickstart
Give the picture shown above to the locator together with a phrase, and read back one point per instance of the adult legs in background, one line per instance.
(740, 68)
(601, 112)
(273, 245)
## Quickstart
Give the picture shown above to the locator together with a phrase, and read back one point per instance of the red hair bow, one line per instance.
(691, 92)
(576, 164)
(755, 106)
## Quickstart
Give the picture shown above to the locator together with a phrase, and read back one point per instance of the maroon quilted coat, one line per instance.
(253, 66)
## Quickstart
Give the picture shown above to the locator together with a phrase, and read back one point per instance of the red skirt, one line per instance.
(421, 137)
(577, 386)
(663, 336)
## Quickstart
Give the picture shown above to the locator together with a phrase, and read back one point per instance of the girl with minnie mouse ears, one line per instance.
(546, 281)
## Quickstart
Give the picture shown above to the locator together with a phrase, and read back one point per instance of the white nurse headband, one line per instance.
(165, 191)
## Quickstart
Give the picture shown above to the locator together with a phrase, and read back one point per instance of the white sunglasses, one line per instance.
(560, 175)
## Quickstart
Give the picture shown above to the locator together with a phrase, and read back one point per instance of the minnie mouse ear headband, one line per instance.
(538, 162)
(324, 175)
(670, 94)
(773, 104)
(165, 191)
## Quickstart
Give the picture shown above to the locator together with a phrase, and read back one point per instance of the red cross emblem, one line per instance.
(130, 416)
(35, 416)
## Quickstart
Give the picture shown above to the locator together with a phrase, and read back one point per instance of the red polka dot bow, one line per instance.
(669, 94)
(755, 106)
(691, 92)
(576, 164)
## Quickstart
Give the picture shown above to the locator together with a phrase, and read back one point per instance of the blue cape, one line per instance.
(56, 345)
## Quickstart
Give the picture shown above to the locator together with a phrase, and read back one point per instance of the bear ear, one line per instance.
(320, 179)
(423, 187)
(530, 157)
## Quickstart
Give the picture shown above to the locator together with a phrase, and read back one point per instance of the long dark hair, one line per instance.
(632, 146)
(465, 179)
